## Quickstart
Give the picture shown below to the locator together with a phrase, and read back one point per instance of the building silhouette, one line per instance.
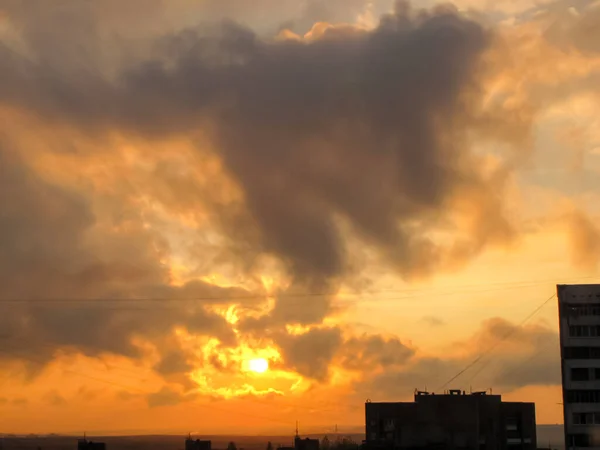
(579, 323)
(305, 444)
(453, 420)
(197, 444)
(302, 444)
(84, 444)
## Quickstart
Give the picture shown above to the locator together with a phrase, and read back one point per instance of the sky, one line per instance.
(225, 215)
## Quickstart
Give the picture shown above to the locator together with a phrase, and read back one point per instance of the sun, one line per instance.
(258, 365)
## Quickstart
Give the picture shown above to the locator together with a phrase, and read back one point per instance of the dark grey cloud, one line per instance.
(173, 362)
(372, 352)
(310, 353)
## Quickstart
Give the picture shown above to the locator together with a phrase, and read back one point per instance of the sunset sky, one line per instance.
(223, 215)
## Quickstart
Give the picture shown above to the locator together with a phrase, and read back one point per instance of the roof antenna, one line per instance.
(296, 428)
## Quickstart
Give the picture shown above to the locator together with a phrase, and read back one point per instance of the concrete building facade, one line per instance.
(453, 420)
(579, 322)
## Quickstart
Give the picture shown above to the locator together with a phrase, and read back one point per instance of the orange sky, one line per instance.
(361, 196)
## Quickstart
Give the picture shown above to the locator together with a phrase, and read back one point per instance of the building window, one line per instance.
(579, 440)
(574, 310)
(586, 418)
(512, 424)
(583, 396)
(580, 374)
(581, 352)
(584, 330)
(583, 418)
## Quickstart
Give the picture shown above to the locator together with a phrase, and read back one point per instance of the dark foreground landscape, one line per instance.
(548, 436)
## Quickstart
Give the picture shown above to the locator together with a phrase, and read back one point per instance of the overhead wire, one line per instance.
(366, 296)
(492, 347)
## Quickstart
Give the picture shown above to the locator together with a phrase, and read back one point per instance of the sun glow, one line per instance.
(258, 365)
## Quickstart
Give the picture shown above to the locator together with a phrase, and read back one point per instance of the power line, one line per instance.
(497, 343)
(416, 293)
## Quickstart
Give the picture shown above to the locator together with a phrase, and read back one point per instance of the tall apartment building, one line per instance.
(579, 321)
(451, 421)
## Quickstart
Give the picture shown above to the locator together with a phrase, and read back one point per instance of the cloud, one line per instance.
(165, 397)
(310, 353)
(585, 239)
(54, 398)
(356, 129)
(433, 321)
(48, 252)
(577, 28)
(173, 362)
(520, 356)
(20, 401)
(373, 352)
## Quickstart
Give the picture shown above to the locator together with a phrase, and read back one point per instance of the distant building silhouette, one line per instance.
(302, 444)
(453, 420)
(197, 444)
(84, 444)
(305, 444)
(579, 323)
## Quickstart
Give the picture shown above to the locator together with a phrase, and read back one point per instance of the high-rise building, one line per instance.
(453, 420)
(579, 321)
